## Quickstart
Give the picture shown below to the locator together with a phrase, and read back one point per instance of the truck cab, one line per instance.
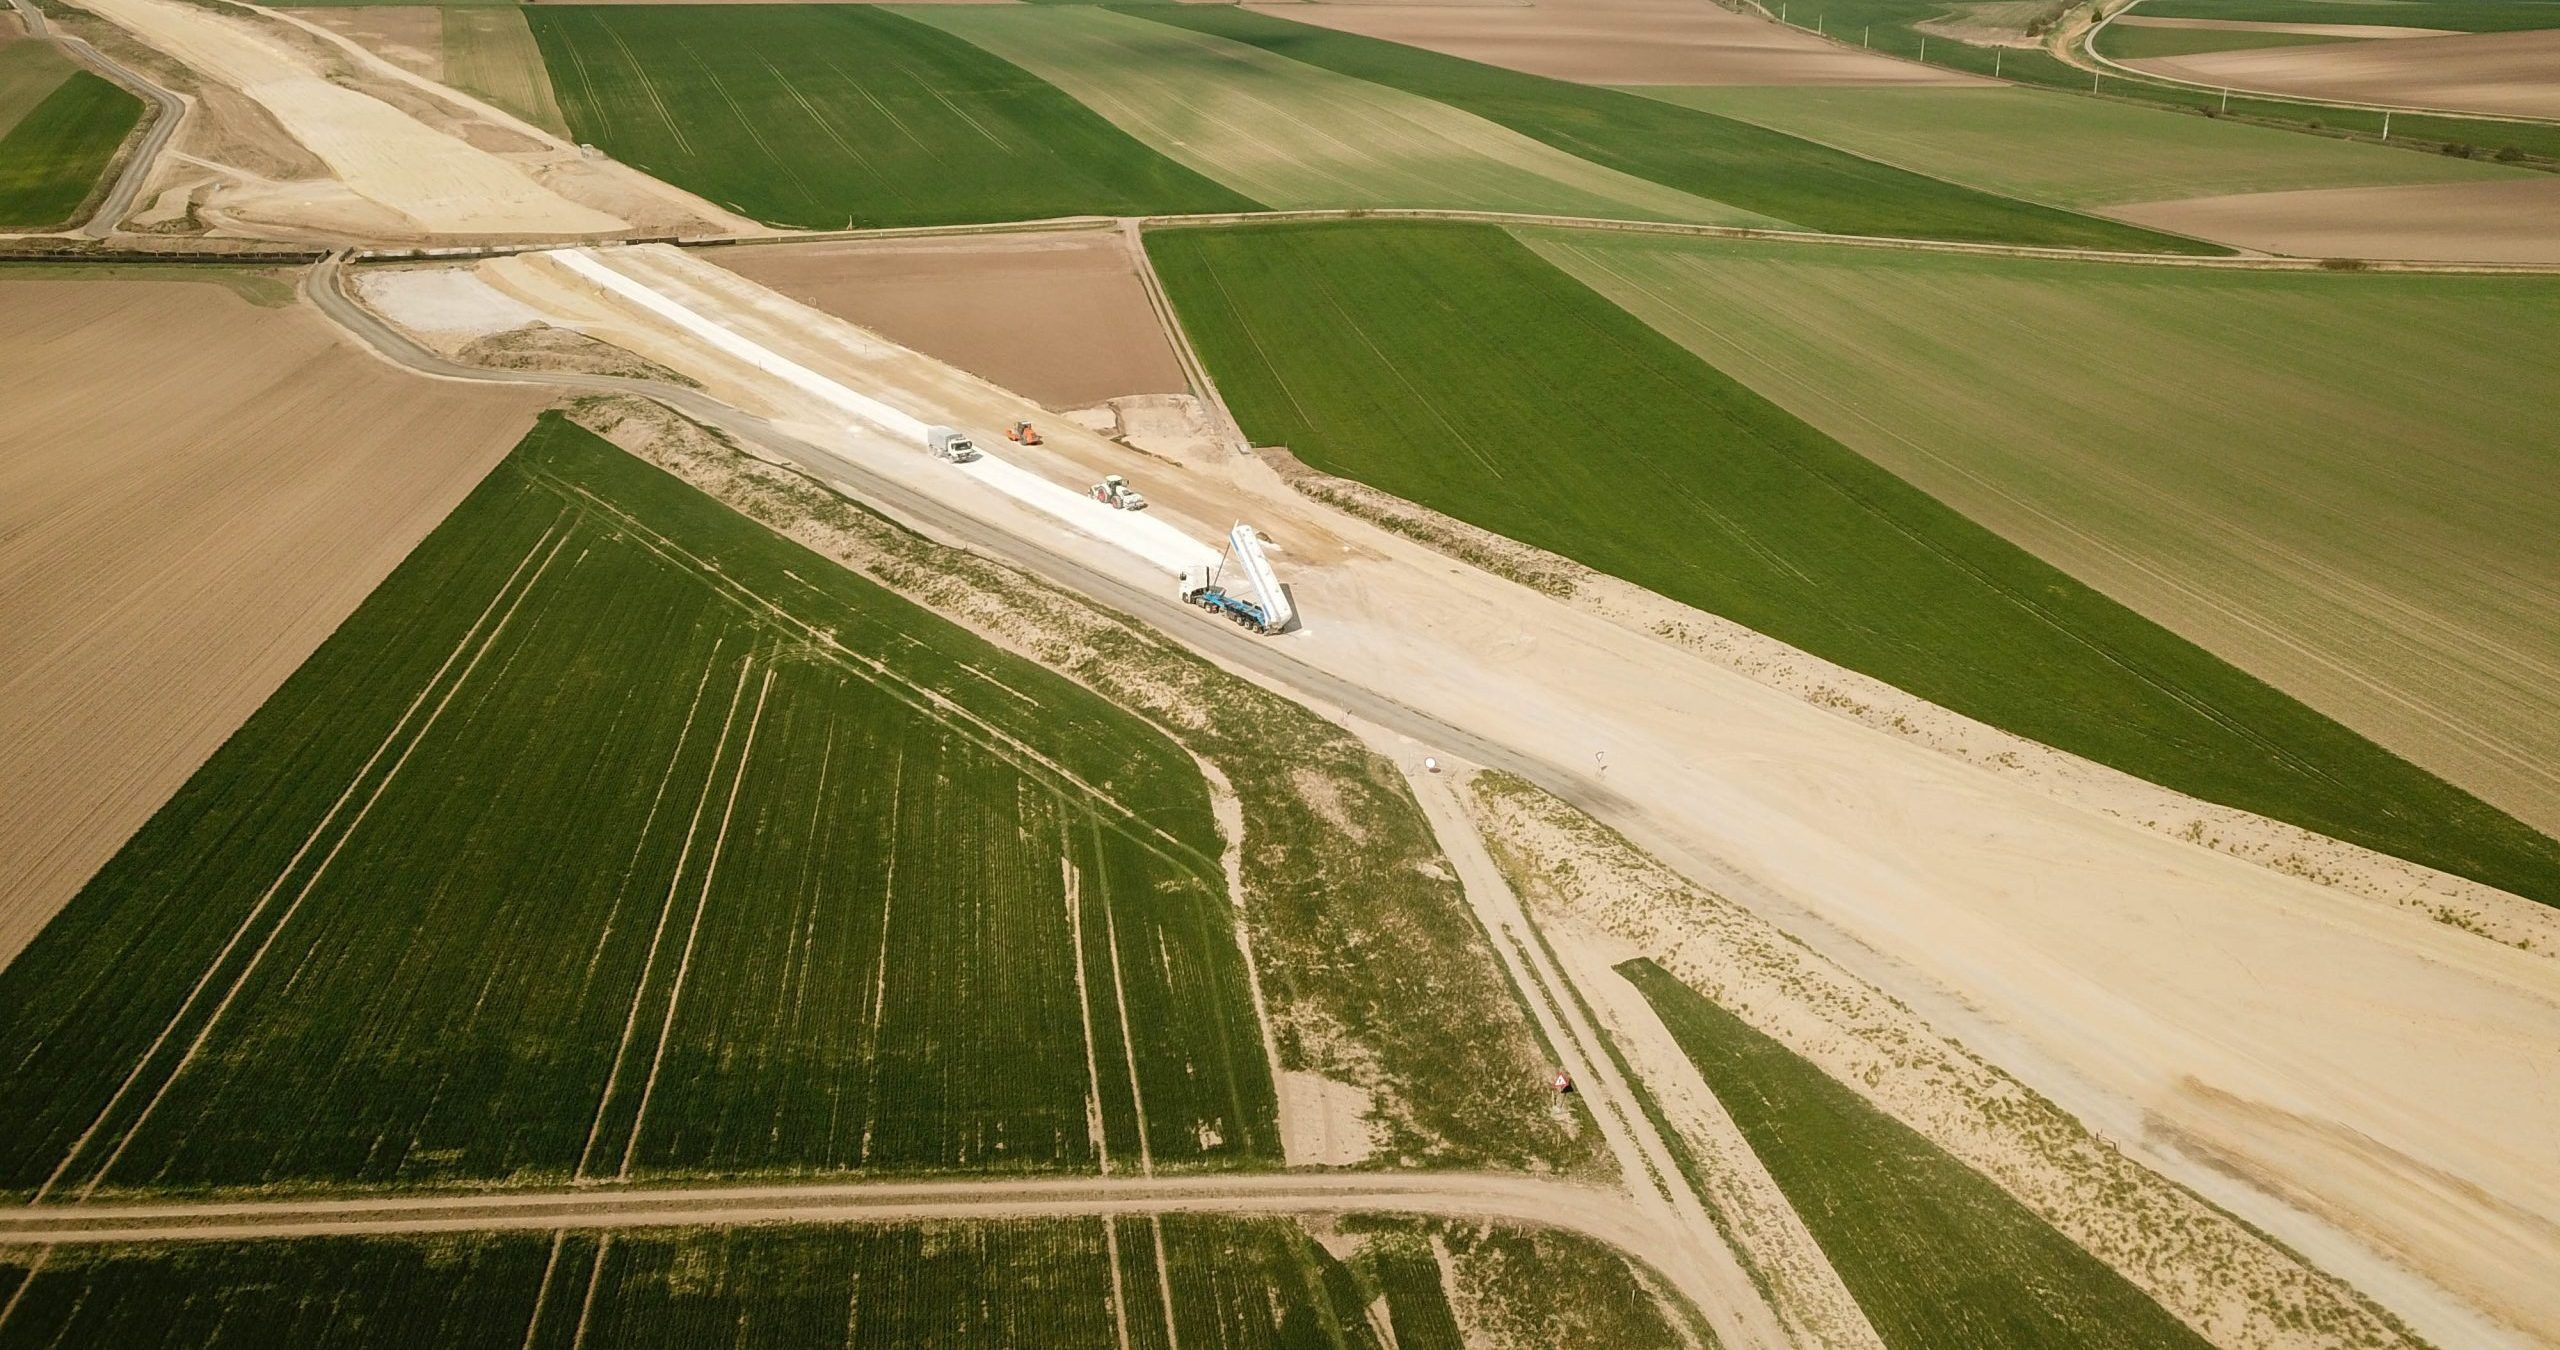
(950, 443)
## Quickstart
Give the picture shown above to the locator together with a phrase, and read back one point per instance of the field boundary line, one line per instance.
(649, 822)
(880, 972)
(1120, 996)
(1164, 1284)
(1072, 883)
(312, 882)
(1119, 1286)
(256, 910)
(932, 704)
(701, 905)
(587, 1305)
(542, 1291)
(649, 966)
(35, 1268)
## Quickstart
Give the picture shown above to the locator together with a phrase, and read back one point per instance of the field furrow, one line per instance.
(608, 850)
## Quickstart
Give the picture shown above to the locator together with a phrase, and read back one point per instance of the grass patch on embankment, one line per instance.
(613, 834)
(1016, 1282)
(836, 116)
(1738, 163)
(2077, 152)
(51, 160)
(1934, 1252)
(1452, 366)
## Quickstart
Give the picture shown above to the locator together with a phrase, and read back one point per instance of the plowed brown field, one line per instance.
(2502, 74)
(2507, 221)
(1624, 42)
(1060, 318)
(193, 492)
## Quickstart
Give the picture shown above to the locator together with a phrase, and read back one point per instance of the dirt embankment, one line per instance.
(194, 490)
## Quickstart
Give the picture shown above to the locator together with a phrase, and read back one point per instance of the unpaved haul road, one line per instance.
(1592, 1211)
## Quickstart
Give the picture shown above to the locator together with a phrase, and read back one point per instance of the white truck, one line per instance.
(950, 443)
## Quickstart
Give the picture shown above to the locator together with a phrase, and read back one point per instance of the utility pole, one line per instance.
(2226, 99)
(2093, 82)
(1924, 49)
(1863, 34)
(2386, 124)
(1996, 54)
(1817, 26)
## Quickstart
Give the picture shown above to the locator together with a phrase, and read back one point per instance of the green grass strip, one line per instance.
(1718, 158)
(1452, 366)
(51, 160)
(825, 117)
(1934, 1252)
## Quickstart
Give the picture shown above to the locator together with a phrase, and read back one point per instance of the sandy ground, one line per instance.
(409, 36)
(438, 183)
(2503, 74)
(193, 492)
(2513, 221)
(1061, 316)
(1622, 42)
(2145, 982)
(2341, 31)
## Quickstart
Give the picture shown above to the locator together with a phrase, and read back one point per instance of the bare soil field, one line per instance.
(1623, 42)
(1060, 317)
(2511, 221)
(194, 491)
(2501, 74)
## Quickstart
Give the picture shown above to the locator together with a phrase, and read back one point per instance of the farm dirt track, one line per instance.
(1622, 42)
(2508, 221)
(195, 492)
(2115, 1001)
(2501, 74)
(1059, 316)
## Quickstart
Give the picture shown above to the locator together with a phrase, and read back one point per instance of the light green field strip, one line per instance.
(2345, 485)
(1292, 135)
(2066, 151)
(489, 51)
(29, 71)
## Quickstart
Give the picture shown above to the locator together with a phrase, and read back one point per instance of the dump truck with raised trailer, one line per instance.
(950, 443)
(1269, 611)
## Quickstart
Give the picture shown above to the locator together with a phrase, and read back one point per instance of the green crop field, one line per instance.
(1453, 366)
(1935, 1253)
(831, 116)
(2361, 511)
(1292, 135)
(2078, 152)
(1746, 166)
(52, 158)
(28, 72)
(489, 51)
(2467, 16)
(1239, 1283)
(2130, 42)
(614, 835)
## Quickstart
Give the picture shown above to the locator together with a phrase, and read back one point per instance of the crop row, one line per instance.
(614, 835)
